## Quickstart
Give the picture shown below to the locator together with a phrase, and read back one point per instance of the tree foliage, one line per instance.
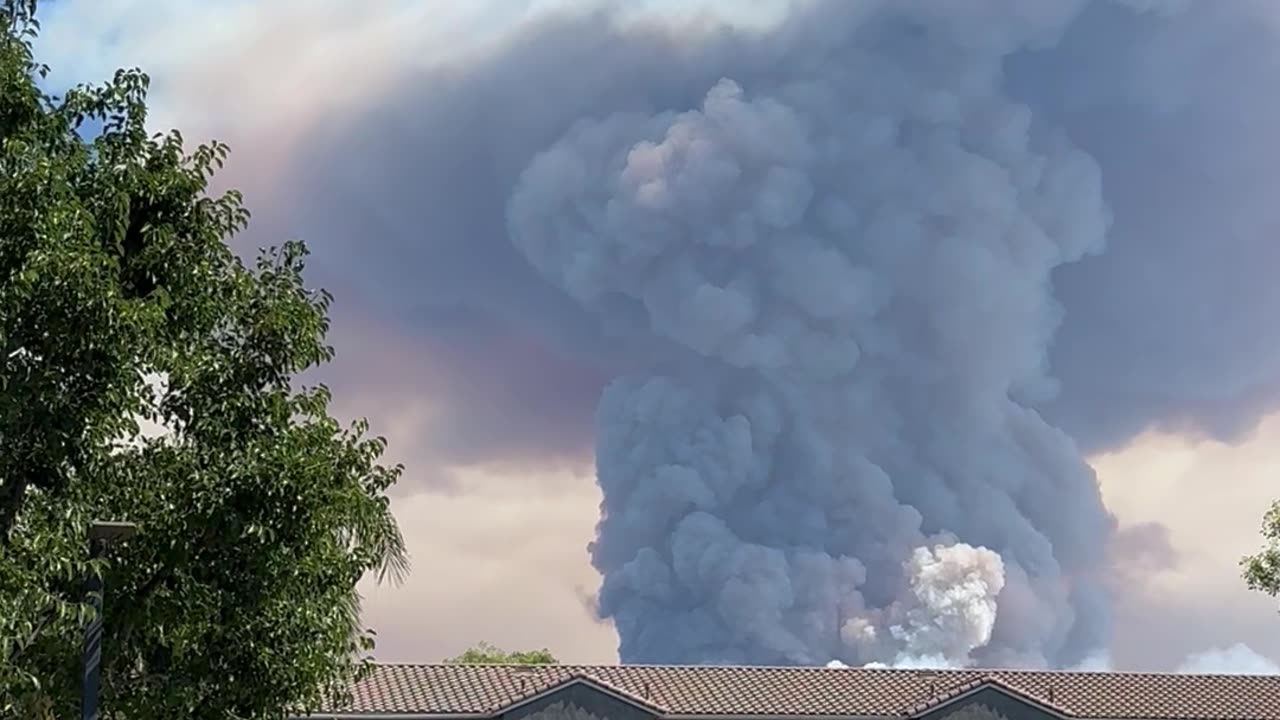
(488, 654)
(1262, 571)
(120, 300)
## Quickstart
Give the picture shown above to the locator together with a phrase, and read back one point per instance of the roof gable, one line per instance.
(988, 692)
(586, 682)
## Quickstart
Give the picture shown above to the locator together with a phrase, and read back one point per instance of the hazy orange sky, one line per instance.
(499, 550)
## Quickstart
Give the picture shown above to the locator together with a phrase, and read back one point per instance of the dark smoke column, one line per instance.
(843, 268)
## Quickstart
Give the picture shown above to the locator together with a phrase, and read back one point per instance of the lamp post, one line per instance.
(101, 535)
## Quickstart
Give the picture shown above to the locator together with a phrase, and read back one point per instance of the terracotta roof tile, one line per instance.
(799, 692)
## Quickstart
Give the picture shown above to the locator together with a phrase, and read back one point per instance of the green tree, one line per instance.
(1262, 571)
(488, 654)
(119, 300)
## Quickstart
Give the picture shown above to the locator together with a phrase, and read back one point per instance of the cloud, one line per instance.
(239, 64)
(1209, 496)
(531, 416)
(492, 562)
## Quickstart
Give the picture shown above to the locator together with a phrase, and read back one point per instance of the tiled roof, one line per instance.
(857, 692)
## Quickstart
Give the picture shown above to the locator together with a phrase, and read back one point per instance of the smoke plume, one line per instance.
(848, 270)
(867, 284)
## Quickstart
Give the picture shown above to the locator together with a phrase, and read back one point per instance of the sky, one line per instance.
(499, 498)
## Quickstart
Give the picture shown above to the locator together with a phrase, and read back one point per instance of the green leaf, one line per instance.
(120, 299)
(487, 654)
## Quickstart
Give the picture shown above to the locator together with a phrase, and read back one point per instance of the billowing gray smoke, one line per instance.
(877, 277)
(849, 266)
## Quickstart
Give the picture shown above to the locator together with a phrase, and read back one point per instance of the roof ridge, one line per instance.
(821, 668)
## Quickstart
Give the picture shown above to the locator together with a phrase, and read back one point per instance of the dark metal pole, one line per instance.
(91, 655)
(101, 534)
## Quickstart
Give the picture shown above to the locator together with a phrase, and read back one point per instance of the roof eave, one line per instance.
(488, 716)
(758, 716)
(338, 715)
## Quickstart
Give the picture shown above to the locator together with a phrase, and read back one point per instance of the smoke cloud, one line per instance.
(1238, 659)
(1169, 327)
(866, 284)
(848, 273)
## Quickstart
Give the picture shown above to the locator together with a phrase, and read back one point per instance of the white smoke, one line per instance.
(914, 662)
(1099, 661)
(954, 589)
(948, 612)
(1239, 659)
